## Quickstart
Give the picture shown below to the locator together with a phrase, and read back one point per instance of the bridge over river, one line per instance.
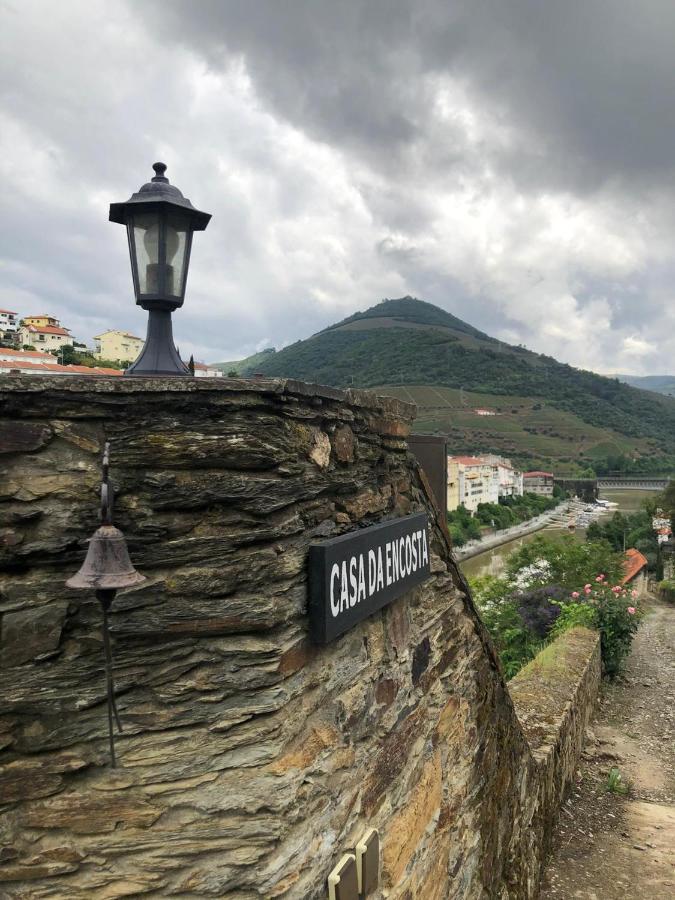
(589, 488)
(633, 482)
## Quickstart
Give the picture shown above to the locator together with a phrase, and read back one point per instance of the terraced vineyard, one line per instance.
(533, 433)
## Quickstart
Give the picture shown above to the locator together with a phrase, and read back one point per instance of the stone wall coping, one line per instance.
(97, 384)
(544, 689)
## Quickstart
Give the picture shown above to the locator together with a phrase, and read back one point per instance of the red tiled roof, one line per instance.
(9, 312)
(48, 329)
(56, 367)
(538, 474)
(25, 354)
(468, 460)
(633, 565)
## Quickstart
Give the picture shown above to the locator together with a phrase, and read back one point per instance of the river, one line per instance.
(492, 562)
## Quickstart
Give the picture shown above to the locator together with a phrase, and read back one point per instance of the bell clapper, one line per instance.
(106, 598)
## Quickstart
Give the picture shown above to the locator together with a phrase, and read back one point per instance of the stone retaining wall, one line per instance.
(251, 759)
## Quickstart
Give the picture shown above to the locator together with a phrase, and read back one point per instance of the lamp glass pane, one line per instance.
(177, 227)
(146, 244)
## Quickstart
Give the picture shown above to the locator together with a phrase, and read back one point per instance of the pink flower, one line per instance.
(633, 594)
(600, 578)
(587, 589)
(631, 610)
(575, 594)
(616, 589)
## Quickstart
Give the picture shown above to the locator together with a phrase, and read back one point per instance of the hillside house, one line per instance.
(635, 571)
(202, 370)
(44, 332)
(538, 483)
(121, 346)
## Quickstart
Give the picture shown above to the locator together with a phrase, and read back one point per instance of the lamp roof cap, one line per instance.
(158, 190)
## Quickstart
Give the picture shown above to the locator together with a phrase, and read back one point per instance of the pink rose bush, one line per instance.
(604, 606)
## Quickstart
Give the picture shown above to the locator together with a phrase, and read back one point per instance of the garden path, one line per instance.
(609, 845)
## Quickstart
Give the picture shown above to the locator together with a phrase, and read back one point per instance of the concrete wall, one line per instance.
(251, 759)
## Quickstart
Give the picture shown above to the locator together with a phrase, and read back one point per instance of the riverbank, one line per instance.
(474, 548)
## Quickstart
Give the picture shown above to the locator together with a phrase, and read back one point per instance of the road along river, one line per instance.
(492, 562)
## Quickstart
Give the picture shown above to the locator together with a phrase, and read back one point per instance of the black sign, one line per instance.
(352, 576)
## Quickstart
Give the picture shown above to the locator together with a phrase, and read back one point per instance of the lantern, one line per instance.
(160, 223)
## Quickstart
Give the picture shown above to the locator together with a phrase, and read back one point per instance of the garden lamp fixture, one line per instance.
(160, 223)
(105, 570)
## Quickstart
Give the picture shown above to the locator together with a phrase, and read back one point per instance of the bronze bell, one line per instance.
(107, 565)
(105, 570)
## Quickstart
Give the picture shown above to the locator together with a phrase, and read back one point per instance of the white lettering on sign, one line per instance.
(401, 557)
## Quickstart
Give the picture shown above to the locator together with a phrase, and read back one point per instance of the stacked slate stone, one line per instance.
(251, 759)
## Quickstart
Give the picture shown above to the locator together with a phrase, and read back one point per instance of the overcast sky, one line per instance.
(512, 161)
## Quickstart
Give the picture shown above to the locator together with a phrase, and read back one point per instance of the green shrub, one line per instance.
(518, 622)
(573, 614)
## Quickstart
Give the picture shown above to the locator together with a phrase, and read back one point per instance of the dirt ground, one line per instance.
(611, 845)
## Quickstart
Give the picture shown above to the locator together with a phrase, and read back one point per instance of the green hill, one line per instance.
(548, 413)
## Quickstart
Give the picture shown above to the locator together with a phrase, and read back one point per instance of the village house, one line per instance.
(202, 370)
(635, 571)
(44, 332)
(121, 346)
(538, 483)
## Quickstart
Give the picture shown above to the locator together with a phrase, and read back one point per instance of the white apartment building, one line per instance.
(509, 481)
(470, 482)
(8, 320)
(481, 479)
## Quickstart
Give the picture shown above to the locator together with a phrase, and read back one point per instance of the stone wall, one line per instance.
(251, 759)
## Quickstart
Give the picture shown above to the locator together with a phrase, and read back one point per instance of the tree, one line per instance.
(565, 562)
(668, 500)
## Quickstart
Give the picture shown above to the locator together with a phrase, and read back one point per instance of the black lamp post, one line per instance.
(160, 223)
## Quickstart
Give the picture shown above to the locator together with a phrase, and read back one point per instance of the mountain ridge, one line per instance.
(409, 348)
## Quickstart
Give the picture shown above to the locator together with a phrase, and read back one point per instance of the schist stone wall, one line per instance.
(251, 758)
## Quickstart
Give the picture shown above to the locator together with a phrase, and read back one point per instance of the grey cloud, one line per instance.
(382, 147)
(588, 83)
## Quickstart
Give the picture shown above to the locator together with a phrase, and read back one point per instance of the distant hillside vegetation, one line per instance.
(406, 346)
(244, 366)
(661, 384)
